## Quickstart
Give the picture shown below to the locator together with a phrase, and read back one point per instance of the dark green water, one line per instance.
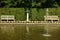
(18, 32)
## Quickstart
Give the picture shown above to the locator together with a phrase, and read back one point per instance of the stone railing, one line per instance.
(26, 22)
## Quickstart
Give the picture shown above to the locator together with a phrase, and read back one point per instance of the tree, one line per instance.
(30, 3)
(5, 3)
(57, 2)
(49, 4)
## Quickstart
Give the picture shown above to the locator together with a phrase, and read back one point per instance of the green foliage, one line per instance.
(37, 15)
(54, 11)
(17, 12)
(34, 14)
(30, 3)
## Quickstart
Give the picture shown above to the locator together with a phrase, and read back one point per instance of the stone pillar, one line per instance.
(27, 17)
(27, 12)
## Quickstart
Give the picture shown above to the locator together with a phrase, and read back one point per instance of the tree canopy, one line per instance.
(30, 3)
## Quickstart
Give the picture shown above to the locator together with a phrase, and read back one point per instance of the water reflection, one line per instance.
(30, 32)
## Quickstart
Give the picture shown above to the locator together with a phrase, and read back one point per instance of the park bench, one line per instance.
(7, 18)
(51, 18)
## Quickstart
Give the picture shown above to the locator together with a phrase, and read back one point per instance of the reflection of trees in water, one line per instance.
(36, 32)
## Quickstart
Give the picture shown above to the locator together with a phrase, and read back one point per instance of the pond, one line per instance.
(29, 32)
